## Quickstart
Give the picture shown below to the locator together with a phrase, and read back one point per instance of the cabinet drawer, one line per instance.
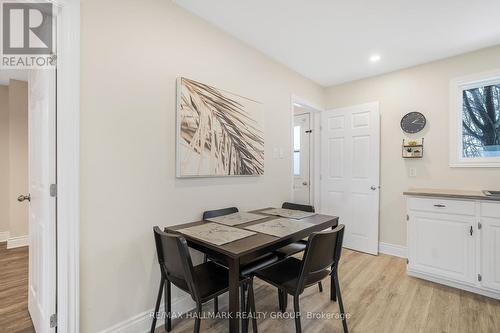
(490, 209)
(439, 205)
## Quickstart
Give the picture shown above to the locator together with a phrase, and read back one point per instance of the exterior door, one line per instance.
(350, 163)
(42, 211)
(301, 159)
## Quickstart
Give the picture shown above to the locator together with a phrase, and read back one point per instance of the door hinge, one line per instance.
(53, 320)
(471, 230)
(479, 225)
(53, 190)
(479, 277)
(407, 261)
(407, 217)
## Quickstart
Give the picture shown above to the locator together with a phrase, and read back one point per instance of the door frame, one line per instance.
(314, 152)
(68, 165)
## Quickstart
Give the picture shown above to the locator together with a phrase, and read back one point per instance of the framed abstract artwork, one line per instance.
(218, 133)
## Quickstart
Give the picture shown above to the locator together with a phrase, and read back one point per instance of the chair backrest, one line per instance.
(175, 261)
(294, 206)
(322, 252)
(219, 212)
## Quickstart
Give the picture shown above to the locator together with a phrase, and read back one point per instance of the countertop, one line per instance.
(448, 193)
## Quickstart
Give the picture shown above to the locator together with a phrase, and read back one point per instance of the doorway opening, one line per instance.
(28, 214)
(305, 142)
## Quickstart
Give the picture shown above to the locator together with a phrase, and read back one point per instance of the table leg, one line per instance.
(234, 301)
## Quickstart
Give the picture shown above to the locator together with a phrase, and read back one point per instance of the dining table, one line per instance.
(242, 251)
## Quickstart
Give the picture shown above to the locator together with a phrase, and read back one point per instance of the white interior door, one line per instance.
(42, 212)
(350, 163)
(301, 158)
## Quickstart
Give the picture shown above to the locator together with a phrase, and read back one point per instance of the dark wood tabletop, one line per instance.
(241, 251)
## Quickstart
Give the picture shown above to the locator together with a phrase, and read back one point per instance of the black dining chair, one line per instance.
(247, 270)
(203, 282)
(297, 247)
(321, 259)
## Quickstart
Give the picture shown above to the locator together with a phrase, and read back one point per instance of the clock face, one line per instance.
(413, 122)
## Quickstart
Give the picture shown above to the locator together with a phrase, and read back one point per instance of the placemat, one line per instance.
(236, 218)
(288, 213)
(215, 233)
(279, 227)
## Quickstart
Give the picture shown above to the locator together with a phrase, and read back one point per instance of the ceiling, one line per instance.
(331, 41)
(14, 74)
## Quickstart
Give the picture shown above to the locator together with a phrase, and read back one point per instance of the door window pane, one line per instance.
(296, 150)
(296, 163)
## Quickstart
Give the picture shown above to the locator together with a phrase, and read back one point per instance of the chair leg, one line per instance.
(197, 320)
(168, 307)
(296, 309)
(280, 301)
(216, 305)
(341, 304)
(333, 292)
(320, 286)
(157, 306)
(285, 300)
(251, 306)
(244, 322)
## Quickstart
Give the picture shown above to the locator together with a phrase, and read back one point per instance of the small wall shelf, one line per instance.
(412, 149)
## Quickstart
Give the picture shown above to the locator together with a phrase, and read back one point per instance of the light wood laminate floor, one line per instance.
(379, 297)
(14, 316)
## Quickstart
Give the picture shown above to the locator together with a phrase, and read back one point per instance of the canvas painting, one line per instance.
(218, 133)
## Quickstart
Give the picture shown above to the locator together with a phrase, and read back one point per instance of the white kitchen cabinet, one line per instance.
(490, 246)
(455, 242)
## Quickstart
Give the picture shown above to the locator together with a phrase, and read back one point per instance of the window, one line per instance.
(475, 127)
(296, 150)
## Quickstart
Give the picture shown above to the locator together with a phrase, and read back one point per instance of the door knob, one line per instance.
(21, 198)
(373, 187)
(304, 183)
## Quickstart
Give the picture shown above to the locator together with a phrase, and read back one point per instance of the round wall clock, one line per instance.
(413, 122)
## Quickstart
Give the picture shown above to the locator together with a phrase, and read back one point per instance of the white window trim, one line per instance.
(457, 85)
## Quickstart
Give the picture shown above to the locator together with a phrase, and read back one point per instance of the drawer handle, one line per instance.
(439, 206)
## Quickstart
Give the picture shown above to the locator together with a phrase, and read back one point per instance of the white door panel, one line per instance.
(42, 212)
(350, 161)
(490, 245)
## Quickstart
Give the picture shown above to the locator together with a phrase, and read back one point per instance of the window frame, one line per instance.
(457, 86)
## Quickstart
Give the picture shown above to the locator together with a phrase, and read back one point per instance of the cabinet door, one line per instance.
(490, 246)
(442, 245)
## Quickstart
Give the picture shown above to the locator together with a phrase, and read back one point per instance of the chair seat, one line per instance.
(211, 278)
(285, 275)
(291, 249)
(258, 264)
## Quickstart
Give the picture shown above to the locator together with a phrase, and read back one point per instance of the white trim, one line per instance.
(455, 143)
(392, 249)
(68, 167)
(142, 321)
(18, 241)
(453, 284)
(4, 236)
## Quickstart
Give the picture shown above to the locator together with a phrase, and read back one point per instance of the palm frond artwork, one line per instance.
(218, 133)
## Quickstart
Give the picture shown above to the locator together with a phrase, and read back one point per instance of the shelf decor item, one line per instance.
(218, 133)
(413, 149)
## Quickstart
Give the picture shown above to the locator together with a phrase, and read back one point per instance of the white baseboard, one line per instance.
(19, 241)
(142, 321)
(392, 249)
(4, 236)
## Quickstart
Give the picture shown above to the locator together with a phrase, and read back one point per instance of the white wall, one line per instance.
(132, 52)
(423, 88)
(18, 157)
(4, 159)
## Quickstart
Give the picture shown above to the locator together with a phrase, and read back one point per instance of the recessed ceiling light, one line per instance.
(375, 58)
